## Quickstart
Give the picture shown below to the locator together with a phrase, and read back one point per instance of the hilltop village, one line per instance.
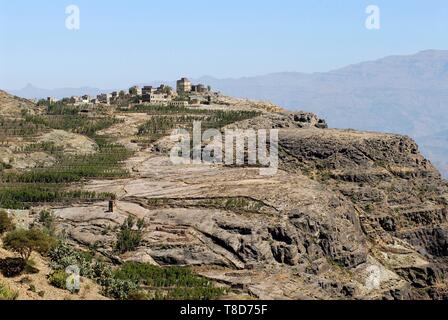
(347, 215)
(186, 94)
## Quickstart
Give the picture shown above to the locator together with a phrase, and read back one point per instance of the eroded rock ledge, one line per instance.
(349, 215)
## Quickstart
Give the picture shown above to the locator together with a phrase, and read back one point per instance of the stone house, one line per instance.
(183, 86)
(178, 104)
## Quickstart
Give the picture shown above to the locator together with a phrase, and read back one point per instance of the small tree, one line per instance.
(133, 91)
(46, 218)
(167, 90)
(130, 235)
(6, 223)
(24, 242)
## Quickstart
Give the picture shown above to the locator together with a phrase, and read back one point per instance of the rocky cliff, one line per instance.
(349, 215)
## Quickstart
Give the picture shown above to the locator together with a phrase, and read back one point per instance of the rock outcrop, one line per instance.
(349, 215)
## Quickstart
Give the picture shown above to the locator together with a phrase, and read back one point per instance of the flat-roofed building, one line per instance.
(104, 98)
(157, 99)
(147, 90)
(178, 104)
(199, 88)
(183, 86)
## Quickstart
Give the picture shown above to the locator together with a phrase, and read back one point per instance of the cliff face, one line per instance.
(349, 215)
(398, 196)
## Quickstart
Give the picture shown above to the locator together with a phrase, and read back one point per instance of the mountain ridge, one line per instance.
(405, 94)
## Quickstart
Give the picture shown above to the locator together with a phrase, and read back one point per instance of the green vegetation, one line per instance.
(133, 280)
(369, 208)
(234, 204)
(6, 293)
(72, 123)
(133, 91)
(48, 185)
(58, 279)
(106, 163)
(62, 256)
(157, 127)
(231, 116)
(48, 147)
(154, 276)
(219, 119)
(24, 242)
(166, 119)
(25, 189)
(6, 223)
(4, 166)
(25, 195)
(18, 128)
(61, 108)
(46, 218)
(130, 235)
(173, 283)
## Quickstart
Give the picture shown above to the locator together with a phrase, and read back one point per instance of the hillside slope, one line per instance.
(349, 215)
(12, 106)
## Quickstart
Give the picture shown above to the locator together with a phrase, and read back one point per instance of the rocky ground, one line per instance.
(37, 287)
(349, 215)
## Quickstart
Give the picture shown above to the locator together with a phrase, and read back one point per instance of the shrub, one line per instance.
(58, 279)
(130, 236)
(4, 166)
(171, 283)
(24, 242)
(21, 196)
(69, 122)
(118, 288)
(369, 208)
(46, 218)
(6, 223)
(155, 276)
(12, 267)
(6, 293)
(62, 256)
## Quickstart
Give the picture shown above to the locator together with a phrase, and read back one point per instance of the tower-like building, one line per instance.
(183, 86)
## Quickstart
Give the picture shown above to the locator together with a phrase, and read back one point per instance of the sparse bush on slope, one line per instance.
(6, 223)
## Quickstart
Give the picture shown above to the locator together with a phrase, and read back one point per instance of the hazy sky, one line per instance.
(136, 41)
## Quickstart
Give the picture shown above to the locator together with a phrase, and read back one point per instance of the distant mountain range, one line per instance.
(32, 92)
(401, 94)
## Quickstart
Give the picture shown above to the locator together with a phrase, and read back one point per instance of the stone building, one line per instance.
(52, 100)
(200, 88)
(178, 104)
(104, 98)
(156, 99)
(85, 98)
(147, 90)
(183, 86)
